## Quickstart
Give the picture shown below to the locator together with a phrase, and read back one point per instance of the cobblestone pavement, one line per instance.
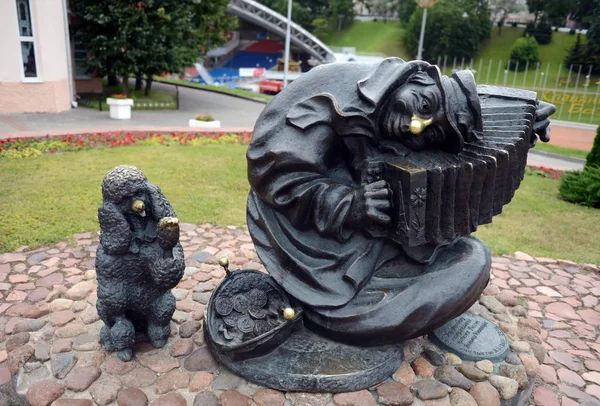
(49, 345)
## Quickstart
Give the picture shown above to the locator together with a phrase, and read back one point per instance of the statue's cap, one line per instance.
(121, 182)
(461, 105)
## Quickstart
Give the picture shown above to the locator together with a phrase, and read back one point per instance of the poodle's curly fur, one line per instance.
(139, 260)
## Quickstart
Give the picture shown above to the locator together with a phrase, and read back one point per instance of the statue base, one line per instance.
(308, 362)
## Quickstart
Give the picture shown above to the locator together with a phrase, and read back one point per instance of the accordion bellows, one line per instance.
(439, 196)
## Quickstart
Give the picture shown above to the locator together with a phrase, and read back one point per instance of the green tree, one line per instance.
(536, 7)
(558, 11)
(449, 31)
(321, 27)
(316, 8)
(576, 55)
(555, 10)
(406, 8)
(301, 15)
(109, 30)
(501, 9)
(151, 36)
(592, 48)
(341, 13)
(584, 12)
(180, 32)
(587, 53)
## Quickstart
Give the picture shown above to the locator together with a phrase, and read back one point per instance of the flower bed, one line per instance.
(544, 172)
(36, 146)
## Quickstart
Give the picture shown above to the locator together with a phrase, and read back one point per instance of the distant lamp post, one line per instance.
(288, 32)
(424, 4)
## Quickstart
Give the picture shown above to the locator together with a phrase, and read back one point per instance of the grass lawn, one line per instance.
(539, 223)
(371, 36)
(498, 46)
(47, 199)
(555, 149)
(221, 89)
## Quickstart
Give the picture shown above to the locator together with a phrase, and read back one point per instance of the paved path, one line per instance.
(572, 138)
(539, 158)
(573, 135)
(235, 114)
(49, 337)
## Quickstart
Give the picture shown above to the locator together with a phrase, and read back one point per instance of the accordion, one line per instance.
(438, 196)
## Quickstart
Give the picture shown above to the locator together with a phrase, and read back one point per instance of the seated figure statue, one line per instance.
(366, 183)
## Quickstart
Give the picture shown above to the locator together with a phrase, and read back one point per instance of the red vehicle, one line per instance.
(270, 86)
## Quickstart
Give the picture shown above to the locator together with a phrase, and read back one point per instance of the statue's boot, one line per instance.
(405, 299)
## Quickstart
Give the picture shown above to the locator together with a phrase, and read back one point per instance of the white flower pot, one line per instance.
(204, 124)
(120, 109)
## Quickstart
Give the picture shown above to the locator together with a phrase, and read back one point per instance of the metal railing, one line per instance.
(574, 89)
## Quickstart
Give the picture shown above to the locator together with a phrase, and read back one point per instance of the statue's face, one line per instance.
(409, 101)
(137, 205)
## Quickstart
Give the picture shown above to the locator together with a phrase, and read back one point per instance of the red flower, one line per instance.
(51, 151)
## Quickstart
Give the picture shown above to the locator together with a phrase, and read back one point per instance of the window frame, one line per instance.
(31, 39)
(86, 76)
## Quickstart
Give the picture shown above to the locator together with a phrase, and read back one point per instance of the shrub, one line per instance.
(542, 32)
(524, 50)
(582, 187)
(572, 31)
(529, 29)
(514, 24)
(593, 158)
(206, 118)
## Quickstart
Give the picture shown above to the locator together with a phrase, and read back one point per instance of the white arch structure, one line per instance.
(265, 17)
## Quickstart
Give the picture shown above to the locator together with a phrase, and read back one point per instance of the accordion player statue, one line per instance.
(367, 181)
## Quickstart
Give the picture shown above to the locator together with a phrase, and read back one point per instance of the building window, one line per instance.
(80, 57)
(26, 39)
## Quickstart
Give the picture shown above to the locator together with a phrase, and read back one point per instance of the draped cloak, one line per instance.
(309, 150)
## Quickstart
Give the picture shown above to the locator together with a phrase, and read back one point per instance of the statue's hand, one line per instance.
(168, 232)
(541, 127)
(371, 204)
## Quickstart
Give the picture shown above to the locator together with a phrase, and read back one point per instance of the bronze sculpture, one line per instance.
(139, 260)
(367, 181)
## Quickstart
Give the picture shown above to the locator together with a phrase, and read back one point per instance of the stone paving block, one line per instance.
(547, 307)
